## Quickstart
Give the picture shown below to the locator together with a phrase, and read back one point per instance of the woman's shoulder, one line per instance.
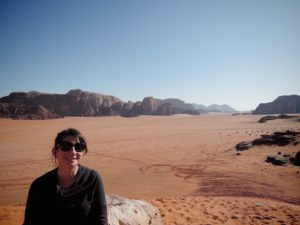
(46, 179)
(88, 175)
(86, 171)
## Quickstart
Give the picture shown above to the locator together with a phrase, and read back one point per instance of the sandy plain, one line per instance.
(185, 165)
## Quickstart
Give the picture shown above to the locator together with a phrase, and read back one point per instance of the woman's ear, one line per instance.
(54, 152)
(54, 156)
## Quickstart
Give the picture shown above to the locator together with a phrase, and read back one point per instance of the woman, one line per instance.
(70, 194)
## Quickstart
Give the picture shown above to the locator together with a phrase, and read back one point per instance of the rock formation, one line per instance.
(148, 106)
(283, 159)
(122, 211)
(242, 146)
(296, 160)
(283, 104)
(281, 116)
(37, 105)
(278, 159)
(277, 138)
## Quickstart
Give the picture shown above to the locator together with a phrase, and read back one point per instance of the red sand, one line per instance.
(176, 162)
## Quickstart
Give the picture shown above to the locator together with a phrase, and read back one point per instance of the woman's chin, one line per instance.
(71, 163)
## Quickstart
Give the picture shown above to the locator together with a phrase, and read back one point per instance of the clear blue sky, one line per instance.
(239, 53)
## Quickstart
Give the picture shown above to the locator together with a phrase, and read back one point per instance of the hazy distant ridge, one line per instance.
(282, 104)
(215, 108)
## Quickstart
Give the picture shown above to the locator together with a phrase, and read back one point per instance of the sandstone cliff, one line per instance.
(283, 104)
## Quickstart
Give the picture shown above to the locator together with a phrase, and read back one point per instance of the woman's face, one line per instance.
(68, 159)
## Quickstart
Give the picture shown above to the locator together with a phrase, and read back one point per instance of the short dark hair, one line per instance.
(70, 132)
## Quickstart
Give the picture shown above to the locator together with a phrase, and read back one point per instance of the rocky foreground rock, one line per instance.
(123, 211)
(36, 105)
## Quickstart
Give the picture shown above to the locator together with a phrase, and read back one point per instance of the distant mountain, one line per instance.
(200, 108)
(37, 105)
(282, 104)
(214, 108)
(221, 108)
(178, 103)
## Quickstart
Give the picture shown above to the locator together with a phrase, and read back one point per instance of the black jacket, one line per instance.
(82, 204)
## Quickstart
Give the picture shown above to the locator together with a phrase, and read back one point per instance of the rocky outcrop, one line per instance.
(177, 103)
(266, 118)
(281, 116)
(278, 160)
(152, 106)
(148, 106)
(283, 104)
(242, 146)
(74, 103)
(241, 114)
(283, 159)
(37, 105)
(277, 138)
(296, 159)
(22, 111)
(122, 211)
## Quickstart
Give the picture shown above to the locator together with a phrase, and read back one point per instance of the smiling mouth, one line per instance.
(71, 160)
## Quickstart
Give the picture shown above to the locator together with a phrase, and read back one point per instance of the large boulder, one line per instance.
(123, 211)
(277, 159)
(297, 159)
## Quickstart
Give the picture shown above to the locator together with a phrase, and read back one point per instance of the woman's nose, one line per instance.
(73, 149)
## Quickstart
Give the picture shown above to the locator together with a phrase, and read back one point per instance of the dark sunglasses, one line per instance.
(67, 146)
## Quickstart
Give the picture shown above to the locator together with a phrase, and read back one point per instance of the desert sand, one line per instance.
(185, 165)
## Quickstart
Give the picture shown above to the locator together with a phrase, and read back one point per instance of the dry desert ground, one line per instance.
(185, 165)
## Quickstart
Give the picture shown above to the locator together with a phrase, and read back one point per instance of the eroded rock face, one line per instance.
(165, 109)
(149, 106)
(123, 211)
(35, 112)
